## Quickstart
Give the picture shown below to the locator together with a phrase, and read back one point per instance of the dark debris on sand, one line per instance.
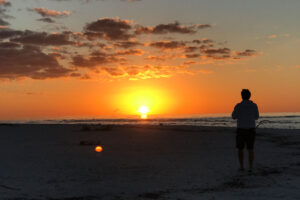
(96, 127)
(76, 198)
(267, 171)
(65, 198)
(153, 195)
(89, 143)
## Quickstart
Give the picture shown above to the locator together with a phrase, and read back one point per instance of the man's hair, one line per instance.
(246, 94)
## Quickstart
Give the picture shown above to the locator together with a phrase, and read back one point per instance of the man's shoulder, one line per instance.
(254, 104)
(247, 102)
(238, 104)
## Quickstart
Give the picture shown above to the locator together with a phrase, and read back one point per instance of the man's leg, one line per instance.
(241, 158)
(251, 158)
(250, 147)
(240, 143)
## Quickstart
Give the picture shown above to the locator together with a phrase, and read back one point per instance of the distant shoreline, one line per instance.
(276, 121)
(154, 117)
(98, 127)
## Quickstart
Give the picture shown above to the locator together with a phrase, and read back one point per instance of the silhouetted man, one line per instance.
(246, 112)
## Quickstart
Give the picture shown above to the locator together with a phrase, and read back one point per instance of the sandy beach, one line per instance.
(144, 162)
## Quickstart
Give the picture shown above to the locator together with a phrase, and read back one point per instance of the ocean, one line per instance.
(266, 120)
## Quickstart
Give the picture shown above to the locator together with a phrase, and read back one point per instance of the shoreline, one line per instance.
(167, 127)
(275, 121)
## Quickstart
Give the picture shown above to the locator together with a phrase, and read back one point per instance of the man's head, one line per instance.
(246, 94)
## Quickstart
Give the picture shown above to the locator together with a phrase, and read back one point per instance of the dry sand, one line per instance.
(144, 162)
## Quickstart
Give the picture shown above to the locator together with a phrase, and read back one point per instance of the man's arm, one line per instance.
(234, 114)
(256, 112)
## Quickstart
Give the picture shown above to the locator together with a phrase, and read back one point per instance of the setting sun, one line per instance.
(142, 100)
(143, 110)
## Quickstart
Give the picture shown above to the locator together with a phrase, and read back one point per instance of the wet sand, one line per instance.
(144, 162)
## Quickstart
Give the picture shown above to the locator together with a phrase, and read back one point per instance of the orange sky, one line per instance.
(175, 96)
(107, 58)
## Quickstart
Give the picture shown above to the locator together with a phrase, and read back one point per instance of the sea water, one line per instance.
(270, 120)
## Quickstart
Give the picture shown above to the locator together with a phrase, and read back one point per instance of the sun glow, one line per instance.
(142, 100)
(144, 110)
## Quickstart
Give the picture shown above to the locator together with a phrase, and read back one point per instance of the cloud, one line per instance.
(110, 46)
(117, 29)
(136, 72)
(96, 59)
(110, 29)
(190, 62)
(9, 33)
(202, 26)
(46, 19)
(93, 60)
(3, 23)
(247, 52)
(57, 55)
(195, 55)
(137, 52)
(217, 51)
(170, 28)
(203, 41)
(127, 44)
(158, 58)
(47, 15)
(36, 38)
(101, 61)
(190, 49)
(9, 45)
(168, 44)
(29, 62)
(42, 38)
(273, 36)
(3, 5)
(114, 71)
(50, 13)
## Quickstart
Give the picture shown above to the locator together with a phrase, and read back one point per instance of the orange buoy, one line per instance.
(98, 148)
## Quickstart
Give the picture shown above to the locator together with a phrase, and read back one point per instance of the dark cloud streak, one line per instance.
(43, 38)
(3, 9)
(110, 29)
(46, 19)
(168, 44)
(170, 28)
(30, 62)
